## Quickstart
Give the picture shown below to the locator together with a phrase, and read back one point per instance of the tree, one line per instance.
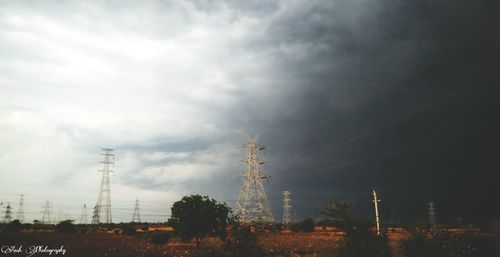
(339, 213)
(359, 241)
(196, 216)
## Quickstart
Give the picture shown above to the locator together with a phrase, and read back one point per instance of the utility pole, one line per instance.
(377, 219)
(83, 217)
(8, 214)
(46, 213)
(20, 210)
(136, 212)
(432, 214)
(104, 198)
(286, 207)
(252, 204)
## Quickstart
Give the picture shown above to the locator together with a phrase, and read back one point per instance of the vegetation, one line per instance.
(128, 229)
(446, 244)
(160, 238)
(358, 241)
(196, 216)
(306, 225)
(14, 227)
(66, 226)
(243, 243)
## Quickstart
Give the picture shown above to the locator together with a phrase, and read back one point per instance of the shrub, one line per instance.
(243, 243)
(306, 225)
(160, 238)
(445, 244)
(363, 243)
(66, 226)
(13, 227)
(129, 229)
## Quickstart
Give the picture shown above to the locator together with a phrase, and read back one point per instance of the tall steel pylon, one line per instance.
(136, 212)
(83, 217)
(286, 207)
(20, 210)
(8, 214)
(252, 204)
(46, 213)
(104, 198)
(432, 214)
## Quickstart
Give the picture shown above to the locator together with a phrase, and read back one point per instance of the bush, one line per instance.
(66, 226)
(306, 225)
(243, 243)
(13, 227)
(363, 243)
(445, 244)
(160, 238)
(129, 229)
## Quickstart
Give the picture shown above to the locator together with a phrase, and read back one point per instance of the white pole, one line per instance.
(377, 219)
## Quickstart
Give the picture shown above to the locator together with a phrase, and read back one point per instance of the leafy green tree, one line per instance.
(196, 216)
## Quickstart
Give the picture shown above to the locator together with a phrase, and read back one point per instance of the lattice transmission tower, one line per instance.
(20, 210)
(252, 204)
(103, 206)
(46, 213)
(136, 215)
(432, 214)
(286, 207)
(8, 214)
(83, 217)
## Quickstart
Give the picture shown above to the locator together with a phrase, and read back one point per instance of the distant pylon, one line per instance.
(136, 212)
(377, 218)
(432, 214)
(46, 213)
(20, 210)
(104, 198)
(286, 207)
(83, 217)
(252, 203)
(95, 215)
(8, 214)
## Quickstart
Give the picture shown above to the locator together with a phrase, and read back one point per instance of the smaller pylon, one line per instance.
(286, 207)
(136, 212)
(83, 217)
(20, 210)
(95, 215)
(8, 214)
(432, 214)
(46, 213)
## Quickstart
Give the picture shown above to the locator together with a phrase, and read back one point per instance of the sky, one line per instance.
(347, 96)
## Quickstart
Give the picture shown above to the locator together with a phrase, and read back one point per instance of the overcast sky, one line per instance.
(346, 95)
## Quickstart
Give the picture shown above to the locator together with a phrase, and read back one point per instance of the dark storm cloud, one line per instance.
(396, 96)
